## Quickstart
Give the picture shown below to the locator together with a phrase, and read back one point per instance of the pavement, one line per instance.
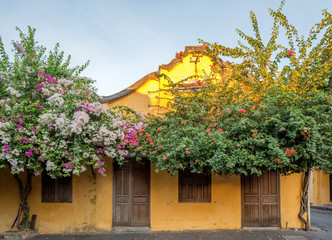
(327, 207)
(247, 234)
(322, 230)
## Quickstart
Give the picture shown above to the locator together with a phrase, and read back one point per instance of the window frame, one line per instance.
(54, 190)
(198, 181)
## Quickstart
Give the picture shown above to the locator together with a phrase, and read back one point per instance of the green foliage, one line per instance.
(252, 116)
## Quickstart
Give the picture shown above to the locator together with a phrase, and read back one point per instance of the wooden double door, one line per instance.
(131, 194)
(261, 200)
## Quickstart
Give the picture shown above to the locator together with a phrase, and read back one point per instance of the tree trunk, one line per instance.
(22, 214)
(304, 201)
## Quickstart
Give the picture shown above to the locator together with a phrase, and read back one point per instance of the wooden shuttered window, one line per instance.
(57, 190)
(194, 187)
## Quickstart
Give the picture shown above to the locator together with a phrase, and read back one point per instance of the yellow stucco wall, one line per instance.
(141, 100)
(144, 98)
(90, 211)
(321, 188)
(290, 187)
(224, 211)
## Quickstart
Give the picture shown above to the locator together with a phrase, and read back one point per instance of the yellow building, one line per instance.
(134, 195)
(321, 188)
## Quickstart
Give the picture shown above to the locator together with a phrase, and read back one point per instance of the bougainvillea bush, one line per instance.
(55, 122)
(51, 119)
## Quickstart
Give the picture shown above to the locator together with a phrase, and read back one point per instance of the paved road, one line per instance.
(321, 219)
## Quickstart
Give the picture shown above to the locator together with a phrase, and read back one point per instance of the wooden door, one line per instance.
(330, 187)
(131, 194)
(261, 200)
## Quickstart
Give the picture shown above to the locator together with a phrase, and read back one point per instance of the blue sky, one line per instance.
(125, 40)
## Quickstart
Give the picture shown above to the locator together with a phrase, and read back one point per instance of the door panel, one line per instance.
(330, 187)
(260, 200)
(131, 201)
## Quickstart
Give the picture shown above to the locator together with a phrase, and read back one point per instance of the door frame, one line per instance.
(130, 160)
(260, 202)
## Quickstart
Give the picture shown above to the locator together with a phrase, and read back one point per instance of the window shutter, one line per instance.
(194, 187)
(56, 190)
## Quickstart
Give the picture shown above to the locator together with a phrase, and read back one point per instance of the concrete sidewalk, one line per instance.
(322, 207)
(280, 234)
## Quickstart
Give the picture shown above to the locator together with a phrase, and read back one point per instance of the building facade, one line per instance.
(135, 195)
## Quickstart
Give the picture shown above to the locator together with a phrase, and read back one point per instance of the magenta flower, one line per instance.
(40, 106)
(6, 148)
(39, 86)
(28, 154)
(228, 109)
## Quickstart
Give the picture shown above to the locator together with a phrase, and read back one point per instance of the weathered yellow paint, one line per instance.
(290, 188)
(321, 188)
(145, 98)
(141, 100)
(90, 211)
(224, 211)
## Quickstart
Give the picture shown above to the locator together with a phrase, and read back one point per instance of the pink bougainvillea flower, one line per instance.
(228, 109)
(208, 130)
(159, 129)
(160, 146)
(290, 53)
(39, 86)
(164, 158)
(220, 130)
(282, 129)
(28, 154)
(183, 122)
(214, 103)
(187, 152)
(213, 139)
(139, 148)
(242, 110)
